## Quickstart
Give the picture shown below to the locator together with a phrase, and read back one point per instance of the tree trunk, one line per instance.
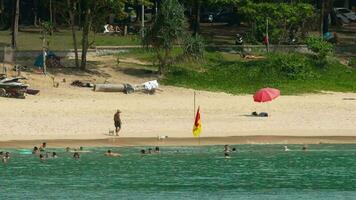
(15, 24)
(196, 18)
(85, 37)
(72, 24)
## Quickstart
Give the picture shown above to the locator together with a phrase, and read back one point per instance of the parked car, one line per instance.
(345, 15)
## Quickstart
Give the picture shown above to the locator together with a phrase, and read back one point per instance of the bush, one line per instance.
(292, 66)
(194, 47)
(320, 47)
(286, 21)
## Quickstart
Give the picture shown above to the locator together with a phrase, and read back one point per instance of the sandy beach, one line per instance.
(68, 112)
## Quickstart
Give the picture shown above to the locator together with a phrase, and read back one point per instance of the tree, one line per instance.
(71, 6)
(168, 28)
(15, 23)
(96, 10)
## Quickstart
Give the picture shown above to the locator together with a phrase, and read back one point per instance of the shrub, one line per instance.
(194, 47)
(320, 47)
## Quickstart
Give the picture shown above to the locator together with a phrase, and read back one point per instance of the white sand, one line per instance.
(79, 113)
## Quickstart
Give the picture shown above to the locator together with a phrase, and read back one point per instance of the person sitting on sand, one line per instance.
(35, 150)
(76, 155)
(117, 122)
(54, 155)
(111, 154)
(157, 150)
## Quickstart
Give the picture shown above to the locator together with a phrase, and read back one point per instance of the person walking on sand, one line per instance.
(117, 122)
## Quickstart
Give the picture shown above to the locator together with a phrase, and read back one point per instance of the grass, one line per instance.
(31, 40)
(291, 73)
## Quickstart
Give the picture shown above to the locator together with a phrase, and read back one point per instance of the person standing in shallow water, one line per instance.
(117, 122)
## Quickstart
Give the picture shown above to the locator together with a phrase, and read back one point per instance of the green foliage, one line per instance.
(319, 46)
(285, 20)
(291, 73)
(168, 29)
(352, 62)
(194, 47)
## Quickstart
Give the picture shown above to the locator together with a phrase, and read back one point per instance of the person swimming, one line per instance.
(54, 155)
(43, 146)
(42, 157)
(76, 155)
(226, 148)
(227, 155)
(305, 147)
(67, 149)
(157, 150)
(143, 151)
(47, 155)
(149, 151)
(286, 148)
(234, 149)
(111, 154)
(35, 150)
(6, 157)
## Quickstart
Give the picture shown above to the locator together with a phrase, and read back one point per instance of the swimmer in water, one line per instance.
(227, 155)
(76, 155)
(286, 148)
(111, 154)
(226, 148)
(35, 150)
(143, 151)
(67, 149)
(54, 155)
(6, 157)
(234, 149)
(43, 146)
(42, 157)
(304, 148)
(47, 155)
(157, 150)
(149, 151)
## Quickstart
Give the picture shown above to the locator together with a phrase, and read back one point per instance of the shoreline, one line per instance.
(204, 141)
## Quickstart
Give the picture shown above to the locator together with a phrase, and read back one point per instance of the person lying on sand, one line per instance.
(111, 154)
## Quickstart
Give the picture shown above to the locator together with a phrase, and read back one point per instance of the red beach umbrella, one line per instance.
(266, 94)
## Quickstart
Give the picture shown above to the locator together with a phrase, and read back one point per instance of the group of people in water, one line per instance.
(43, 154)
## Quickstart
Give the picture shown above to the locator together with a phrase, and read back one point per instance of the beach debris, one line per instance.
(162, 137)
(32, 91)
(12, 87)
(79, 83)
(149, 87)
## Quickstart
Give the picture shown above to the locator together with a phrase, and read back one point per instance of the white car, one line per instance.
(345, 13)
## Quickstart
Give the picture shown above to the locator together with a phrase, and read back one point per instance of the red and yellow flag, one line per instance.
(197, 124)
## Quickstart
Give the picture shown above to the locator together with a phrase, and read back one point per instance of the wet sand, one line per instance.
(126, 142)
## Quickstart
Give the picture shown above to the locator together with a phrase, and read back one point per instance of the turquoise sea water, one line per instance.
(254, 172)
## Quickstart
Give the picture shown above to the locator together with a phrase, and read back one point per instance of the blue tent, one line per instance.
(39, 58)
